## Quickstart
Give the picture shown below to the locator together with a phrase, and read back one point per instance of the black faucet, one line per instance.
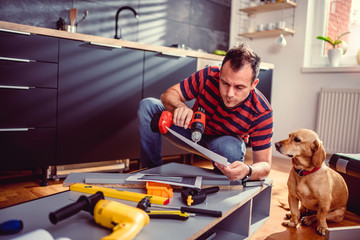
(117, 18)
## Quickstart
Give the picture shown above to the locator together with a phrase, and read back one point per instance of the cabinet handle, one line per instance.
(172, 54)
(15, 59)
(12, 31)
(15, 129)
(105, 45)
(15, 87)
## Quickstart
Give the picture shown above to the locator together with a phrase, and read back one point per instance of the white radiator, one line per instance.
(338, 122)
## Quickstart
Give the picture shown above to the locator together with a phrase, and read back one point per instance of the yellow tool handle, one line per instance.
(119, 194)
(172, 214)
(124, 231)
(125, 221)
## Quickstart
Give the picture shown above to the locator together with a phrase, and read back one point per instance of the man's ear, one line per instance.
(319, 153)
(255, 83)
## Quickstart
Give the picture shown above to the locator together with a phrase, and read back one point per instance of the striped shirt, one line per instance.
(253, 118)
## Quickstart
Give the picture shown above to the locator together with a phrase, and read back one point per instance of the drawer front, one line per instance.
(27, 149)
(32, 74)
(34, 107)
(33, 47)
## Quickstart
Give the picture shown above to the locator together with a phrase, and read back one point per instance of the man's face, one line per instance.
(235, 86)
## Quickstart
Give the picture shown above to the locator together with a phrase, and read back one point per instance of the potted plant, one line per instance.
(339, 48)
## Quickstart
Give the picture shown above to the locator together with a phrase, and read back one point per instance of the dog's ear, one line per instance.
(319, 153)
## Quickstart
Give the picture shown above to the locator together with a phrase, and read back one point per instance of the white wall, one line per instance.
(295, 94)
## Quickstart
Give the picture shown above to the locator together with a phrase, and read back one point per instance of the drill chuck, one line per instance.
(197, 124)
(196, 136)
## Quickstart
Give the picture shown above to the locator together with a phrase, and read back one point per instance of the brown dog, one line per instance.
(322, 192)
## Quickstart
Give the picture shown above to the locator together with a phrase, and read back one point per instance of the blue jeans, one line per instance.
(231, 147)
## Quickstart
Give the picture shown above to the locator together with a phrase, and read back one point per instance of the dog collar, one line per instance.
(303, 172)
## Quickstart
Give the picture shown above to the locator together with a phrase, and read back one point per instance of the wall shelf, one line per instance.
(268, 33)
(269, 7)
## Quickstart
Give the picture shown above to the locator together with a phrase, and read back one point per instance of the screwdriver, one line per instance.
(11, 226)
(168, 214)
(212, 213)
(144, 204)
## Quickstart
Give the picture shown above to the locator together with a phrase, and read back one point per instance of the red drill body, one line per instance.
(160, 121)
(165, 119)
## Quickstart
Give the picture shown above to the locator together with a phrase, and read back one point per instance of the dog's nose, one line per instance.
(278, 146)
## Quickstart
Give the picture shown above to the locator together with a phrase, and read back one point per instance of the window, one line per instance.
(339, 16)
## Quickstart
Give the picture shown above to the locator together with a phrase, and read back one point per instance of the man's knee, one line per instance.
(230, 147)
(148, 107)
(146, 104)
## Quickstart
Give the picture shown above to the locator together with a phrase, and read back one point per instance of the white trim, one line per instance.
(313, 46)
(313, 56)
(341, 69)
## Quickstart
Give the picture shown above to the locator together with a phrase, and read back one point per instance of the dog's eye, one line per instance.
(296, 139)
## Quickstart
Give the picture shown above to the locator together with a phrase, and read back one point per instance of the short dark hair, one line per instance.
(240, 56)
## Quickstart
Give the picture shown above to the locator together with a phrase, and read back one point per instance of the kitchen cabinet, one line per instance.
(67, 101)
(98, 95)
(100, 88)
(87, 115)
(161, 72)
(28, 91)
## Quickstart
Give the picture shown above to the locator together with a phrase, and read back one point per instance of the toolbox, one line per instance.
(348, 165)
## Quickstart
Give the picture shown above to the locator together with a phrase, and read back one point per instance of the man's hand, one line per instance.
(235, 171)
(174, 101)
(182, 116)
(260, 168)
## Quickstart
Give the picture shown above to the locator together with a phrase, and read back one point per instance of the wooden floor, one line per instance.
(25, 188)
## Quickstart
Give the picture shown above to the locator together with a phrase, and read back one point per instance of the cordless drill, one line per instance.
(125, 221)
(164, 119)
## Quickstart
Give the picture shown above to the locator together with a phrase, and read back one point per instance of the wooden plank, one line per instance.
(343, 233)
(269, 7)
(117, 180)
(107, 41)
(268, 33)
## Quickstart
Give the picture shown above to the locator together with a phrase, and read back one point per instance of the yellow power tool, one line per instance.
(125, 221)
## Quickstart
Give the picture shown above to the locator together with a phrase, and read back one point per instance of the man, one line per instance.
(235, 110)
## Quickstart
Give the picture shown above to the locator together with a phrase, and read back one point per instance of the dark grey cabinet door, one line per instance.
(98, 95)
(265, 83)
(161, 72)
